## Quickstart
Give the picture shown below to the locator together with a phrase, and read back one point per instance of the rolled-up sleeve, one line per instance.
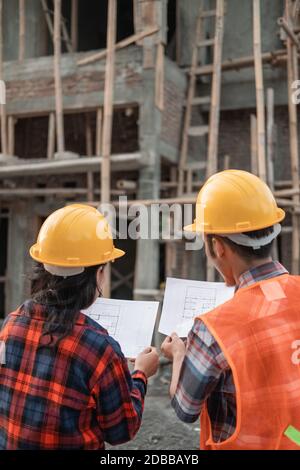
(120, 401)
(202, 367)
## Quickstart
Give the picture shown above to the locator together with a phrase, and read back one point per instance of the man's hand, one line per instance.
(173, 347)
(147, 362)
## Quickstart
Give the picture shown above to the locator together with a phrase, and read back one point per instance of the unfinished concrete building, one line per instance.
(41, 170)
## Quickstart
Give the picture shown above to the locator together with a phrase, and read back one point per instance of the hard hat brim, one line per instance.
(193, 227)
(115, 254)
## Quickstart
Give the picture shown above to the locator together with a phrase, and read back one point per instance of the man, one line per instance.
(237, 370)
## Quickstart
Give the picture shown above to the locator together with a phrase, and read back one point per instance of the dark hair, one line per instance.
(246, 252)
(63, 298)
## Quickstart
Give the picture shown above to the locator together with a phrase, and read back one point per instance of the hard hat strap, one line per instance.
(63, 271)
(255, 243)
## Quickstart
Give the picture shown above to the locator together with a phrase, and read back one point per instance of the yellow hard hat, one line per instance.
(235, 201)
(75, 236)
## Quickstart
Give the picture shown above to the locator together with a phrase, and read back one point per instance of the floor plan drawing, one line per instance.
(185, 299)
(108, 317)
(130, 323)
(198, 300)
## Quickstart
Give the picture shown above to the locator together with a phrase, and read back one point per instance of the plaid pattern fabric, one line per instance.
(75, 396)
(206, 376)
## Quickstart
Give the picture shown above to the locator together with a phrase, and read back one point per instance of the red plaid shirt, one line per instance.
(75, 396)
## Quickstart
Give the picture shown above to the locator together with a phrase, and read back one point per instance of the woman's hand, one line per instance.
(147, 362)
(173, 347)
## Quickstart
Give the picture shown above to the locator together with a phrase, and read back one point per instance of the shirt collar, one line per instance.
(261, 273)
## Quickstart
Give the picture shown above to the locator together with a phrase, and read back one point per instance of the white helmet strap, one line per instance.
(255, 243)
(63, 271)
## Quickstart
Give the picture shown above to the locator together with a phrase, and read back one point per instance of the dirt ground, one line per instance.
(161, 429)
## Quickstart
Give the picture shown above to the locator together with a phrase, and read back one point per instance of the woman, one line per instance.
(64, 382)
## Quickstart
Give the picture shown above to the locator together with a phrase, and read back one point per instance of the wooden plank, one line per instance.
(74, 25)
(214, 120)
(259, 83)
(2, 106)
(22, 26)
(254, 157)
(51, 136)
(120, 45)
(57, 78)
(160, 76)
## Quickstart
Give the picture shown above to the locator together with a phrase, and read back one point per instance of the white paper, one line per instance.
(130, 323)
(184, 300)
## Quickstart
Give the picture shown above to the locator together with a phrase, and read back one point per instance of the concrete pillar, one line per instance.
(21, 236)
(147, 259)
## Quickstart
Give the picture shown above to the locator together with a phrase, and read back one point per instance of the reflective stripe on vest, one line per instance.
(257, 331)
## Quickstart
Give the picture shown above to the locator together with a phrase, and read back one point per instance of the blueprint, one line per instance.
(130, 323)
(185, 299)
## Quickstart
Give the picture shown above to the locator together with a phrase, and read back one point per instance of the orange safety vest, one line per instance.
(258, 331)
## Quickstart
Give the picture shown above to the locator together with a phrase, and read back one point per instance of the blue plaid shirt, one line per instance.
(206, 375)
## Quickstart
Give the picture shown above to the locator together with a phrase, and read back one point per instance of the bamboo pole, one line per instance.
(47, 17)
(22, 26)
(57, 78)
(89, 152)
(160, 76)
(254, 159)
(108, 117)
(270, 137)
(270, 152)
(74, 25)
(99, 132)
(188, 108)
(51, 136)
(214, 120)
(292, 65)
(259, 81)
(119, 45)
(11, 135)
(227, 162)
(244, 62)
(66, 36)
(3, 109)
(88, 135)
(290, 33)
(108, 101)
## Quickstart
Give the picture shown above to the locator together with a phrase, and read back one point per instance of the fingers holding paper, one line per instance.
(147, 361)
(173, 346)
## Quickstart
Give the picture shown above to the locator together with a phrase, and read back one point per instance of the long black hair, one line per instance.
(63, 298)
